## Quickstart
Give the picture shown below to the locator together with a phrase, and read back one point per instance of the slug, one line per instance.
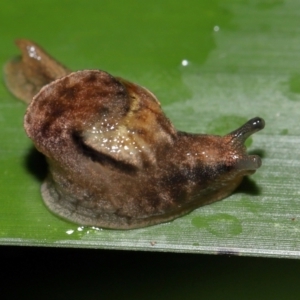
(115, 160)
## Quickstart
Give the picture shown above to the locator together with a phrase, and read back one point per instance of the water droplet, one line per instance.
(184, 62)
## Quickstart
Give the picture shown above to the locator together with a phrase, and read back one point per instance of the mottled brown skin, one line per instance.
(116, 161)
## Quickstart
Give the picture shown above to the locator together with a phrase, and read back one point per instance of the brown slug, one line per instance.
(115, 160)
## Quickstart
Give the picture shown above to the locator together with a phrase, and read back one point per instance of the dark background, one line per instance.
(53, 273)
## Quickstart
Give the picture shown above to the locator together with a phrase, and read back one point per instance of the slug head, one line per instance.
(216, 165)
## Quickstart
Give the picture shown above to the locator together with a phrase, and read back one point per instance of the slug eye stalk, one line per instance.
(238, 138)
(240, 135)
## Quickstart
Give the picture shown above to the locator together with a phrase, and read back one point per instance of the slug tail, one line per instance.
(25, 75)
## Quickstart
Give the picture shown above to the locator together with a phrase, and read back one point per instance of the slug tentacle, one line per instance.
(238, 138)
(240, 135)
(250, 162)
(115, 160)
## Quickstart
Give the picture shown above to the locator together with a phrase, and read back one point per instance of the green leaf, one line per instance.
(213, 65)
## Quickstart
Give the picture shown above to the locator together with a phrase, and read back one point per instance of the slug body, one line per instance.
(116, 161)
